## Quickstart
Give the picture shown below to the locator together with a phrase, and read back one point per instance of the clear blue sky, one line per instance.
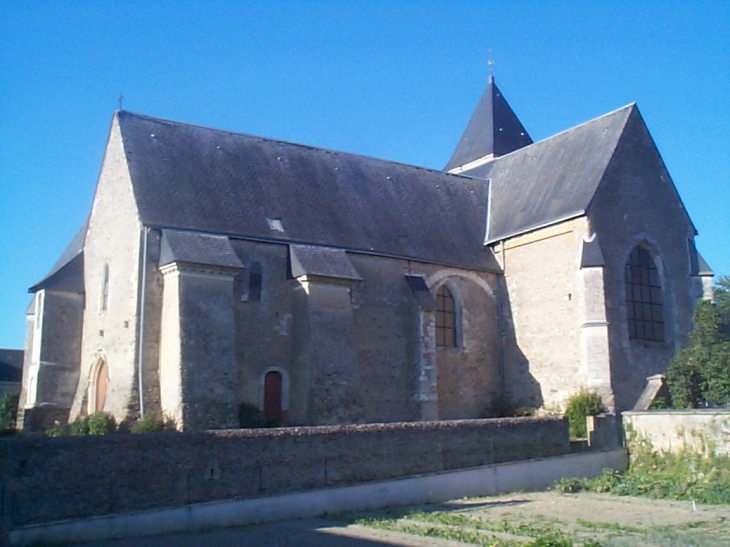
(396, 80)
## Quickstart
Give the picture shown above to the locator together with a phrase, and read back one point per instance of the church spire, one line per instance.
(494, 130)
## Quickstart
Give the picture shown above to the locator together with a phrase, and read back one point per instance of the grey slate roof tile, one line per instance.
(67, 274)
(494, 129)
(553, 179)
(420, 291)
(197, 248)
(198, 179)
(321, 262)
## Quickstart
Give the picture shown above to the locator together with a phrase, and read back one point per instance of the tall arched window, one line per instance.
(254, 281)
(644, 306)
(445, 318)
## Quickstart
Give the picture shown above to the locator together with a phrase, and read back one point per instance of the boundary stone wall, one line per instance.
(677, 430)
(49, 479)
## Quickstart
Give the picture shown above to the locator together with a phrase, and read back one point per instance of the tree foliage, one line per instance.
(701, 371)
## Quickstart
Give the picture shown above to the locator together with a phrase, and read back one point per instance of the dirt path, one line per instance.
(611, 520)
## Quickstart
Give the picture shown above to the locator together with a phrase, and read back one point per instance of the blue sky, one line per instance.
(396, 80)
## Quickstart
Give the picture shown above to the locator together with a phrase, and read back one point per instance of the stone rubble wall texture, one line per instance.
(48, 479)
(55, 371)
(637, 202)
(699, 431)
(354, 354)
(113, 238)
(541, 307)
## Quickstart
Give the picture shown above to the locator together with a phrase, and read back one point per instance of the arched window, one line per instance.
(254, 281)
(644, 308)
(445, 318)
(273, 398)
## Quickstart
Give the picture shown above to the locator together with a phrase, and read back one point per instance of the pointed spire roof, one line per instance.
(494, 130)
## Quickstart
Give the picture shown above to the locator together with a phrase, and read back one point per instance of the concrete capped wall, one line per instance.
(700, 431)
(113, 239)
(637, 203)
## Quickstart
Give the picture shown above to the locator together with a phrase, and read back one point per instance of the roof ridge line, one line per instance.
(291, 143)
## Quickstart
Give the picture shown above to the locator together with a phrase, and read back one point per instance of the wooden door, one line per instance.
(272, 397)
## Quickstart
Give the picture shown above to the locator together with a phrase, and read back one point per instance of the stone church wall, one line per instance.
(275, 332)
(113, 246)
(637, 203)
(45, 479)
(542, 315)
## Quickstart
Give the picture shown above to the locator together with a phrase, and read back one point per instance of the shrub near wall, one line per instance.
(44, 479)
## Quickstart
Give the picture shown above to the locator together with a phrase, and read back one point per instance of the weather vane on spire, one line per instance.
(490, 62)
(120, 100)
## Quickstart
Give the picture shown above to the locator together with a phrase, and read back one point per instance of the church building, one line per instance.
(220, 270)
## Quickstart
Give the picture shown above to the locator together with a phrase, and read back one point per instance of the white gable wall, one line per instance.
(113, 238)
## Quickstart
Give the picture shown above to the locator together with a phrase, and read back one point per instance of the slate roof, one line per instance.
(321, 262)
(551, 180)
(697, 264)
(197, 248)
(494, 129)
(67, 274)
(11, 365)
(194, 178)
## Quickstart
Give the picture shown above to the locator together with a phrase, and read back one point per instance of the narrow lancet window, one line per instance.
(105, 289)
(254, 282)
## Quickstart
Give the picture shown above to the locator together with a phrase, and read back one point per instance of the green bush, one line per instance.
(98, 423)
(154, 422)
(701, 477)
(249, 416)
(8, 411)
(57, 430)
(580, 406)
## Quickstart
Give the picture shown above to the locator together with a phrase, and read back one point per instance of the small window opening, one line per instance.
(445, 318)
(105, 289)
(254, 281)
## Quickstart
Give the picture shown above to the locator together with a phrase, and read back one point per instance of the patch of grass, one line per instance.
(467, 529)
(703, 478)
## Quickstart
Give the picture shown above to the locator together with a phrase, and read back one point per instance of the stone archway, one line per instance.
(467, 368)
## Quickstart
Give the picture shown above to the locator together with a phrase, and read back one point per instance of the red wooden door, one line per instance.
(272, 397)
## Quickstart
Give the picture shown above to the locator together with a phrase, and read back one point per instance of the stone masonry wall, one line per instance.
(114, 239)
(541, 309)
(47, 479)
(637, 203)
